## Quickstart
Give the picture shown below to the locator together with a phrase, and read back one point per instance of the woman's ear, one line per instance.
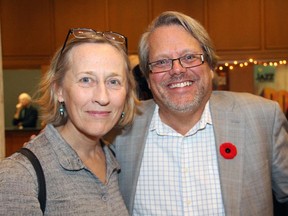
(59, 93)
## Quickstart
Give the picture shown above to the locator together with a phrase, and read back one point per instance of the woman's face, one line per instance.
(94, 89)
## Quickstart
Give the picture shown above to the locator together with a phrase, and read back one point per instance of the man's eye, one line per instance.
(162, 62)
(189, 57)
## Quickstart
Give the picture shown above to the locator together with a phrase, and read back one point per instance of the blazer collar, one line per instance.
(228, 127)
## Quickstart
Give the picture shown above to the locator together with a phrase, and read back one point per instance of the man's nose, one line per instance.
(177, 67)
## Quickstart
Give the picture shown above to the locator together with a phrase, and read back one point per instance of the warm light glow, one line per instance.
(251, 60)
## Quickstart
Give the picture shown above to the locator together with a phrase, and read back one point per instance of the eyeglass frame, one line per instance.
(179, 59)
(102, 34)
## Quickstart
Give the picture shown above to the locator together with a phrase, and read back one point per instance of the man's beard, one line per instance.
(185, 106)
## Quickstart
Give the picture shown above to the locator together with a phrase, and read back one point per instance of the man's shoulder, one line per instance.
(146, 105)
(243, 96)
(239, 100)
(142, 120)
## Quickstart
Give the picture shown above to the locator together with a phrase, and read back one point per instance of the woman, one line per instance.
(85, 93)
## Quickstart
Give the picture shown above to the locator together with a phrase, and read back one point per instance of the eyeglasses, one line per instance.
(186, 61)
(90, 33)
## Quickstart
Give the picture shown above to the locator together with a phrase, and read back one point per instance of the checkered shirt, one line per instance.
(179, 174)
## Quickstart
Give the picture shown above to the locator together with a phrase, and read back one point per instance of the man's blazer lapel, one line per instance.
(229, 127)
(129, 152)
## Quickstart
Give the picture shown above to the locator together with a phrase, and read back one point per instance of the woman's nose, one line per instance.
(100, 94)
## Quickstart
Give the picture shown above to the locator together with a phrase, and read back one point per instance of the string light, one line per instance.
(241, 64)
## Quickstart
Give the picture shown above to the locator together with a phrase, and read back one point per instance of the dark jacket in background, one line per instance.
(28, 118)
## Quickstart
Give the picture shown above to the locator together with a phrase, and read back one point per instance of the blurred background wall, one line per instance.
(241, 30)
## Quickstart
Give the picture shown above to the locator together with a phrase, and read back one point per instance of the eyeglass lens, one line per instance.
(185, 61)
(90, 33)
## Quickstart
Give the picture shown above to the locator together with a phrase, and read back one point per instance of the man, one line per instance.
(25, 115)
(192, 151)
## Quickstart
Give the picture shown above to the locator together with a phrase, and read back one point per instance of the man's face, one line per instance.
(179, 89)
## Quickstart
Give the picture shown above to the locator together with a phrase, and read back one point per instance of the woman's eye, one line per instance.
(85, 80)
(114, 83)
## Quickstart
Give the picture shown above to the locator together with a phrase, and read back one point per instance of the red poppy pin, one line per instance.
(228, 150)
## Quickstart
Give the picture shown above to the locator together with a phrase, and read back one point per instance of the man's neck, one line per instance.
(182, 122)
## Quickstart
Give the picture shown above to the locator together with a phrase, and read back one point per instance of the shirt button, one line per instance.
(104, 198)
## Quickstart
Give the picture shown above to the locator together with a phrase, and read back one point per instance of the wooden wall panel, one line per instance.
(78, 13)
(235, 25)
(193, 8)
(130, 18)
(240, 29)
(26, 29)
(241, 79)
(276, 24)
(2, 109)
(14, 139)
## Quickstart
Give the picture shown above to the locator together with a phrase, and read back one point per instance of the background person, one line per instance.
(193, 151)
(26, 114)
(142, 88)
(87, 91)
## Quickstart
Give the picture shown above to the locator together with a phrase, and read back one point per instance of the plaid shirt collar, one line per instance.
(162, 129)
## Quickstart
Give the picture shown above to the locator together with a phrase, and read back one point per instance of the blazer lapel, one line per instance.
(129, 152)
(228, 127)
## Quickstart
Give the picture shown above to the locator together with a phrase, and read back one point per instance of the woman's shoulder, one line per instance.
(16, 168)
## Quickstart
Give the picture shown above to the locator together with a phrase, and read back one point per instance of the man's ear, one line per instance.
(148, 82)
(212, 73)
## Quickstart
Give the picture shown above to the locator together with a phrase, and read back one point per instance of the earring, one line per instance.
(122, 115)
(62, 108)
